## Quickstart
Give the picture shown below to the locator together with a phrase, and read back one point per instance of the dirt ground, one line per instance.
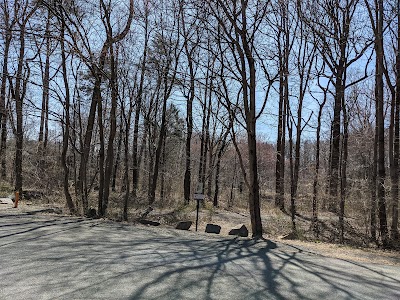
(275, 227)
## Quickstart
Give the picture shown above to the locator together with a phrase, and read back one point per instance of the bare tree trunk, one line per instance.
(101, 185)
(45, 96)
(220, 151)
(135, 145)
(217, 172)
(335, 147)
(126, 168)
(284, 49)
(211, 166)
(66, 126)
(292, 180)
(280, 147)
(3, 110)
(126, 122)
(317, 164)
(246, 66)
(343, 179)
(379, 96)
(113, 128)
(163, 131)
(118, 157)
(19, 93)
(3, 132)
(189, 115)
(373, 188)
(204, 132)
(163, 172)
(85, 150)
(394, 232)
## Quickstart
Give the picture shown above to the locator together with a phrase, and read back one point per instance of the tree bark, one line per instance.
(135, 145)
(394, 231)
(4, 77)
(19, 92)
(43, 129)
(317, 167)
(66, 126)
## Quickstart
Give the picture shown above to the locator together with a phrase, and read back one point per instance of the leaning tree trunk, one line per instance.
(66, 126)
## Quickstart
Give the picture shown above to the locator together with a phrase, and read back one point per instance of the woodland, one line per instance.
(286, 104)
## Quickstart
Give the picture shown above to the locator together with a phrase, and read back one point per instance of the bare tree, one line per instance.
(66, 123)
(139, 100)
(376, 14)
(169, 50)
(25, 11)
(304, 56)
(239, 22)
(341, 42)
(10, 20)
(191, 36)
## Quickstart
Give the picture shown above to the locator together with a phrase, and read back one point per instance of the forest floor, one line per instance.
(277, 226)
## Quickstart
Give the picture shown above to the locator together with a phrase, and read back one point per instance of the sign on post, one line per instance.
(198, 195)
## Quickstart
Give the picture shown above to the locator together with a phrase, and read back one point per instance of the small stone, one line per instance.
(185, 225)
(240, 230)
(212, 228)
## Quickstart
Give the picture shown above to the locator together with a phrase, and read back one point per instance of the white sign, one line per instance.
(198, 196)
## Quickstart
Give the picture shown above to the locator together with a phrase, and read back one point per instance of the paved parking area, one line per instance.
(57, 257)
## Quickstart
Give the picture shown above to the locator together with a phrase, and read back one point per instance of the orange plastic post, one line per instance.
(16, 199)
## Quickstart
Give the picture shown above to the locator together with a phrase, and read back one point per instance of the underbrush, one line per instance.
(276, 223)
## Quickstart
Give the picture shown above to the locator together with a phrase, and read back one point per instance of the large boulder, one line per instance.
(213, 228)
(185, 225)
(240, 230)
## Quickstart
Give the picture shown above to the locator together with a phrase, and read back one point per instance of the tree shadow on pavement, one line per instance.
(69, 258)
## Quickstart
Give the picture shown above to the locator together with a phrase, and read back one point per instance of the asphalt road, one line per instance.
(54, 257)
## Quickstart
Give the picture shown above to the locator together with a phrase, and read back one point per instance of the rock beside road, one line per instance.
(240, 230)
(213, 228)
(184, 225)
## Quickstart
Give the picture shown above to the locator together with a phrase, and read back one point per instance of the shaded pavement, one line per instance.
(55, 257)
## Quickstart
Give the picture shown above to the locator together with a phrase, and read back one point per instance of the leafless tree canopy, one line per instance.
(121, 104)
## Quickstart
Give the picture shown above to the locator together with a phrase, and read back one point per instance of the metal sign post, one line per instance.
(198, 196)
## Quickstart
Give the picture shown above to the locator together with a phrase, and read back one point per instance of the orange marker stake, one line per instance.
(16, 199)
